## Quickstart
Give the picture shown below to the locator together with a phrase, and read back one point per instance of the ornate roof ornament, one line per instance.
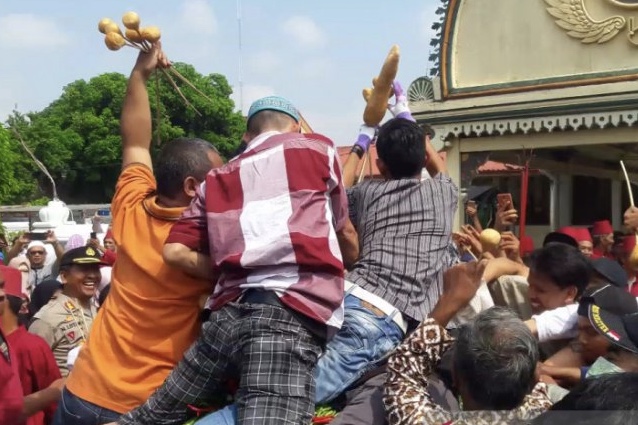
(572, 16)
(532, 125)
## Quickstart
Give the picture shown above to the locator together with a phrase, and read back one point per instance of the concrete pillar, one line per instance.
(616, 204)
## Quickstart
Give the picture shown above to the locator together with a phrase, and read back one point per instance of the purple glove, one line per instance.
(400, 109)
(366, 134)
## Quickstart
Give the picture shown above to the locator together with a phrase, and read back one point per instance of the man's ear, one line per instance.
(382, 168)
(572, 293)
(190, 186)
(63, 276)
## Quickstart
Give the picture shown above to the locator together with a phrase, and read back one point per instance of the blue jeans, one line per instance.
(362, 342)
(73, 410)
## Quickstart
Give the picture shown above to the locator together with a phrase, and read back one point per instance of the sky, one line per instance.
(320, 55)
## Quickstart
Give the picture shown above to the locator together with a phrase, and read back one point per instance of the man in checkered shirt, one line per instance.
(270, 227)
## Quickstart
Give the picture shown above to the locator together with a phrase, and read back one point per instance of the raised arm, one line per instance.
(187, 245)
(361, 146)
(136, 122)
(346, 233)
(433, 161)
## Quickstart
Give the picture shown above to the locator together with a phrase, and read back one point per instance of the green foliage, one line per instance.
(435, 43)
(77, 136)
(13, 184)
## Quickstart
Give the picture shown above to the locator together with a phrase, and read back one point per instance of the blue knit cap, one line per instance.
(273, 103)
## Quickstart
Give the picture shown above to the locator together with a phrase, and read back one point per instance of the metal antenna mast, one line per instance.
(241, 78)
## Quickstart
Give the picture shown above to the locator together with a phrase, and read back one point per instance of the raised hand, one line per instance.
(147, 62)
(631, 219)
(400, 108)
(365, 137)
(511, 246)
(505, 217)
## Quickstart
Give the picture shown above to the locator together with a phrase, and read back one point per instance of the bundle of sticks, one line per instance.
(142, 39)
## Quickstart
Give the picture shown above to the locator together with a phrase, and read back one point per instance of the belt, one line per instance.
(259, 296)
(378, 302)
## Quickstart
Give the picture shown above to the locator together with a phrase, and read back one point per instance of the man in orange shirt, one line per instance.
(151, 316)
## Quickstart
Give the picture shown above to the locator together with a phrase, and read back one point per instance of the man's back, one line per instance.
(272, 219)
(404, 229)
(152, 313)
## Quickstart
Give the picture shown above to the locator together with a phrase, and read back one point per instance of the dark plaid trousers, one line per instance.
(273, 355)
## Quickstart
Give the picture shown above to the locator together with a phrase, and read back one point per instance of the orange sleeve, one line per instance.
(191, 230)
(135, 183)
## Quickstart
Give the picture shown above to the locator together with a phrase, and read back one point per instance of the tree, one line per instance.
(435, 43)
(77, 136)
(13, 186)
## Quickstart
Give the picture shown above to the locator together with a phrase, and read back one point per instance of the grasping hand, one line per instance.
(505, 216)
(147, 62)
(631, 219)
(511, 246)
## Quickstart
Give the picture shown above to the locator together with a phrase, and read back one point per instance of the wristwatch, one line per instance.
(358, 150)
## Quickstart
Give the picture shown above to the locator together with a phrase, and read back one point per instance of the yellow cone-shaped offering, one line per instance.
(134, 36)
(103, 24)
(114, 41)
(151, 34)
(131, 20)
(490, 239)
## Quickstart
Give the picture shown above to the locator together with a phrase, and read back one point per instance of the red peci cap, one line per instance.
(569, 231)
(602, 227)
(583, 235)
(12, 281)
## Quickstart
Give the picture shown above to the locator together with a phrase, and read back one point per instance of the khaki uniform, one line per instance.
(64, 325)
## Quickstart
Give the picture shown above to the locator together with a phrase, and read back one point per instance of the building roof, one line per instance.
(498, 167)
(489, 167)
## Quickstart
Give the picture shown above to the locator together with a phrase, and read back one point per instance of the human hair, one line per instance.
(42, 294)
(267, 120)
(608, 399)
(15, 304)
(563, 264)
(179, 159)
(401, 147)
(495, 358)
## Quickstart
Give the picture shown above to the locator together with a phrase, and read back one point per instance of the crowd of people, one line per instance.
(273, 289)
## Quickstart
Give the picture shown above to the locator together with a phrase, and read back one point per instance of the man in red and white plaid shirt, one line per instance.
(270, 227)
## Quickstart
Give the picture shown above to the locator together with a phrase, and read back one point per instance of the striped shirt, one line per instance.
(405, 229)
(269, 219)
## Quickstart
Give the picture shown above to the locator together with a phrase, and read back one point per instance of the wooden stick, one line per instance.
(370, 162)
(40, 165)
(191, 85)
(136, 45)
(158, 112)
(363, 170)
(170, 79)
(631, 194)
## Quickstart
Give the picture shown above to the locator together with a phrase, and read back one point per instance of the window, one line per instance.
(538, 196)
(591, 200)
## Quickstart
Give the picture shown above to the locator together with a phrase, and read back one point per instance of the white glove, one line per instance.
(400, 109)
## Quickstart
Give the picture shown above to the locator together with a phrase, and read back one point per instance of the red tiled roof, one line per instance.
(344, 151)
(489, 167)
(493, 167)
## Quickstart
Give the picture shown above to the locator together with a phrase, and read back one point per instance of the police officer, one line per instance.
(65, 322)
